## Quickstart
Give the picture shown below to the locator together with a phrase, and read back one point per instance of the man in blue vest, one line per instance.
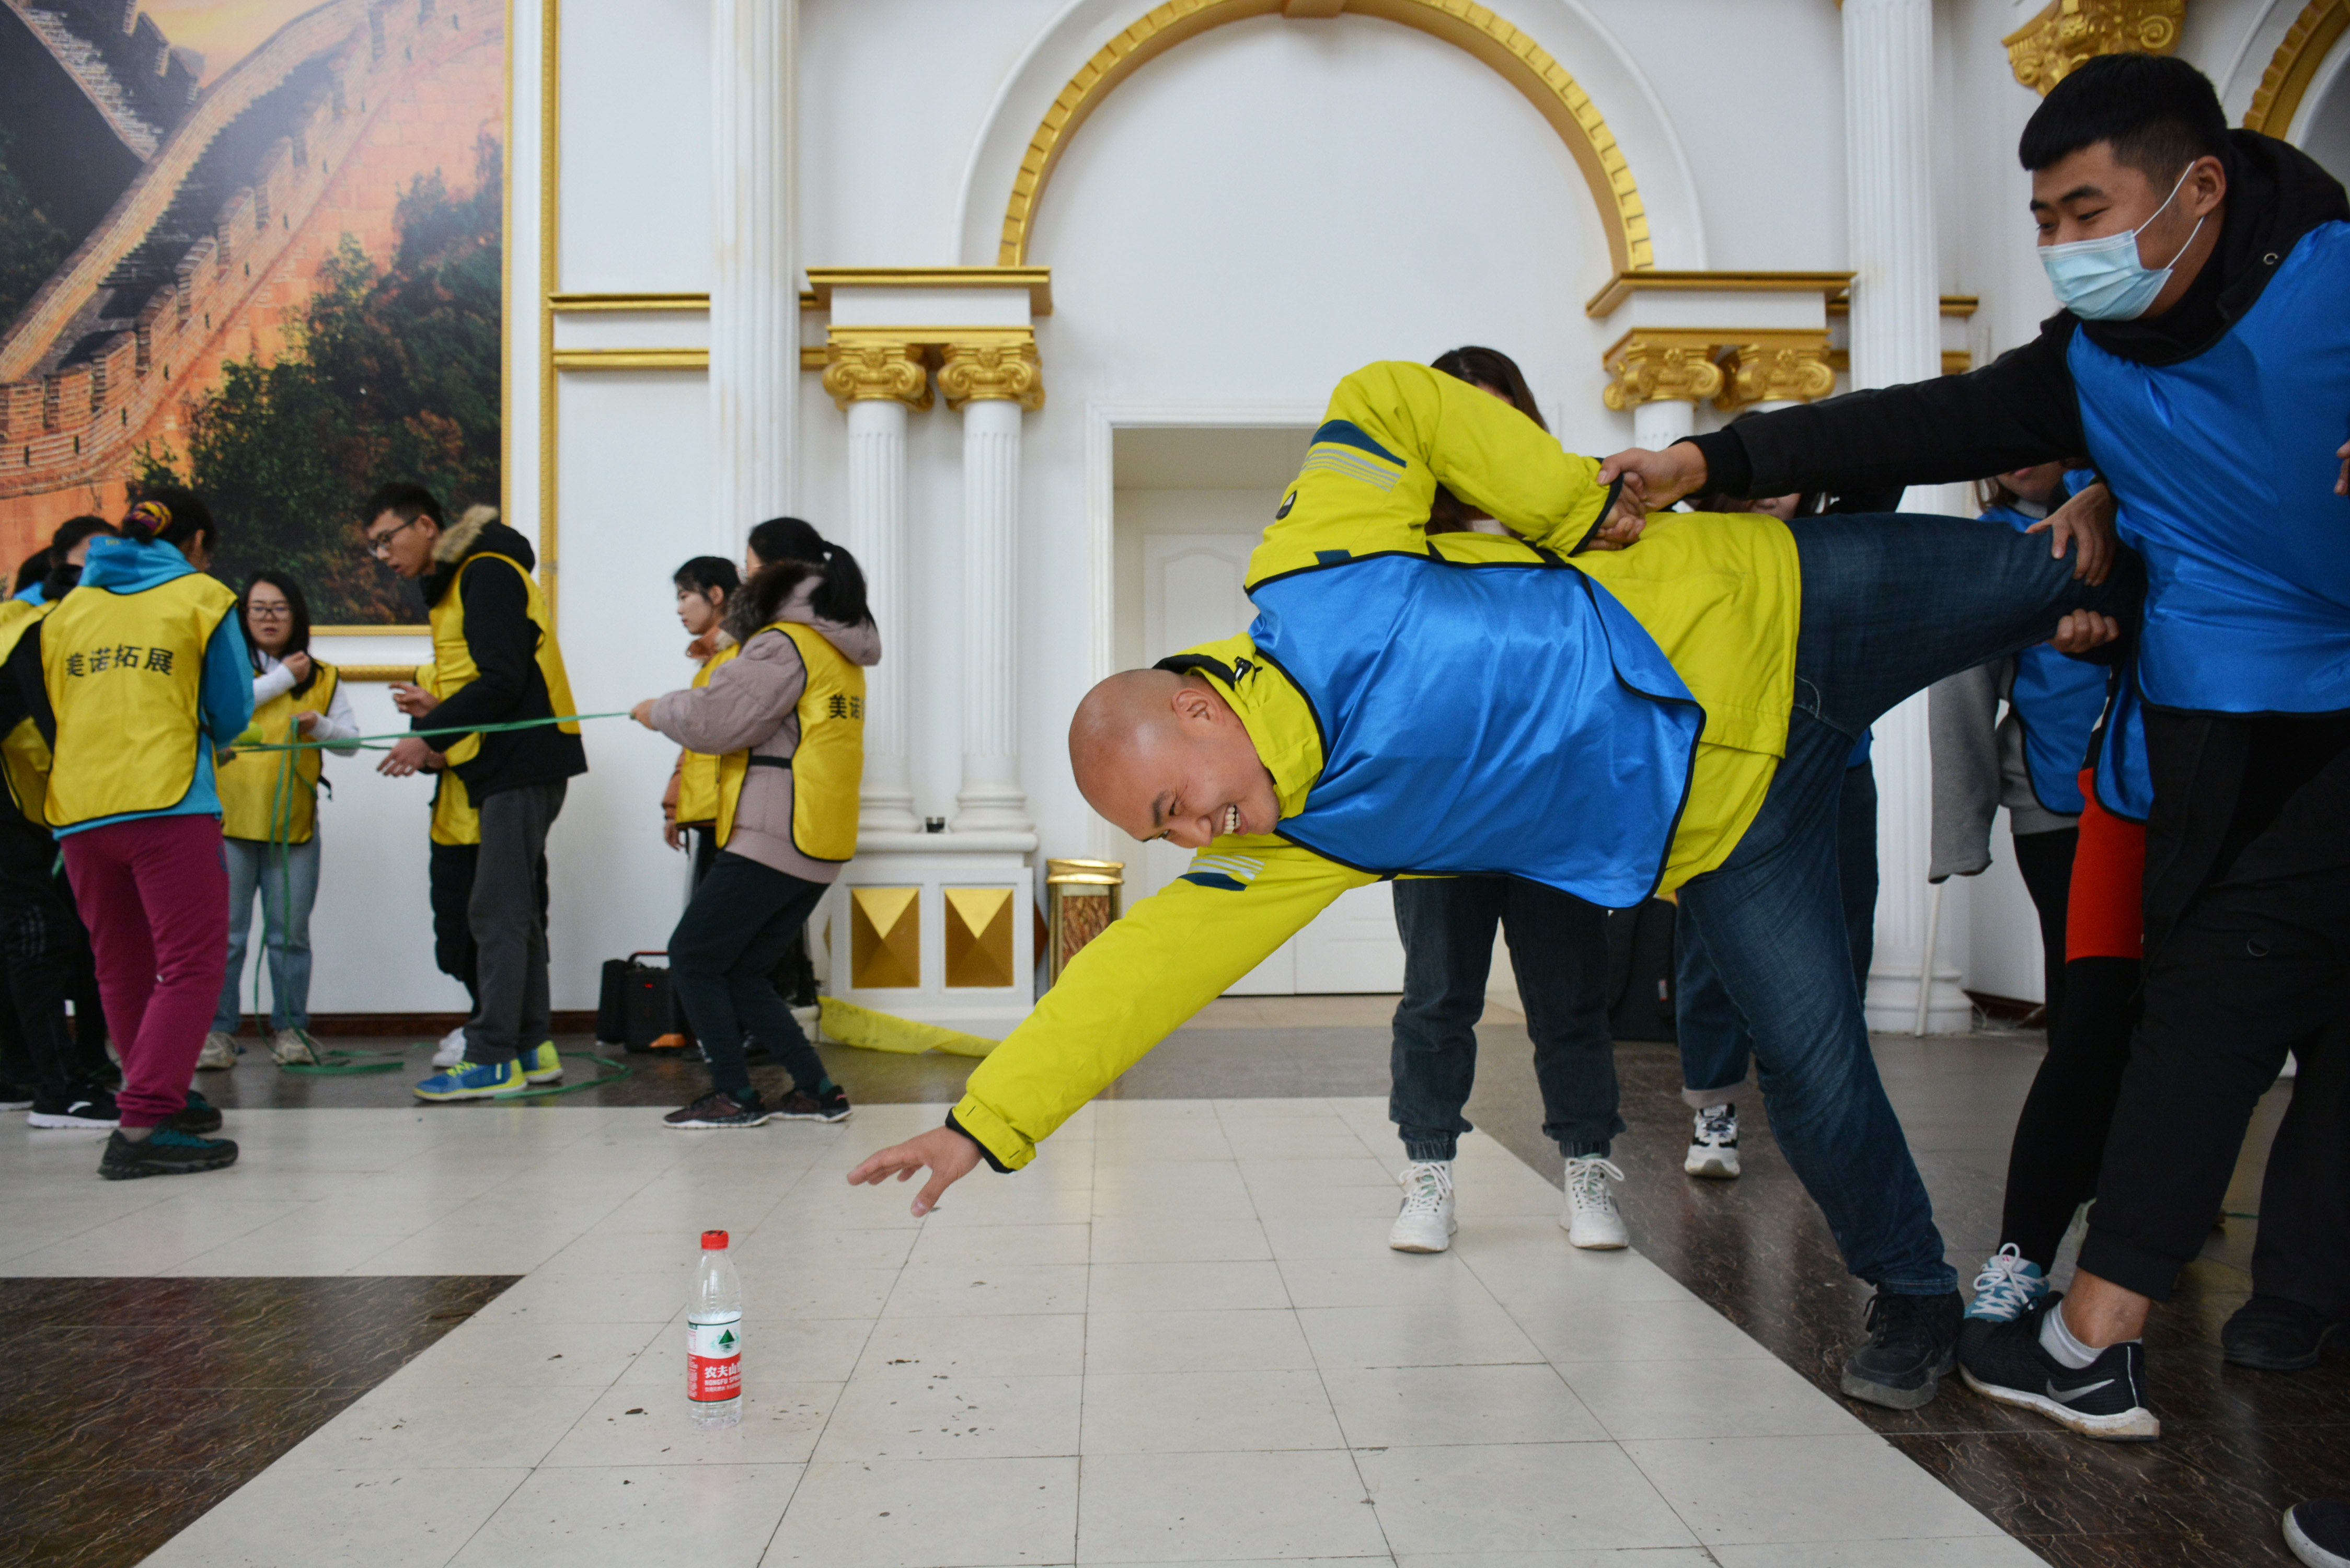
(2203, 361)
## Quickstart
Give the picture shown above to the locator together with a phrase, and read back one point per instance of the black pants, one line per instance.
(508, 915)
(2060, 1138)
(2254, 966)
(2046, 861)
(450, 876)
(722, 962)
(1558, 945)
(39, 939)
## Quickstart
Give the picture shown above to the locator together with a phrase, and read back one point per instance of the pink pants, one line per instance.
(155, 894)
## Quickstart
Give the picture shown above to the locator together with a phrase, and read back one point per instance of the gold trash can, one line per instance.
(1081, 898)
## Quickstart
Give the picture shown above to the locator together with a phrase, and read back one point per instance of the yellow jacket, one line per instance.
(1720, 594)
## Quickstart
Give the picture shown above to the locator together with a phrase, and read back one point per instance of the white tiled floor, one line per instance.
(1178, 1338)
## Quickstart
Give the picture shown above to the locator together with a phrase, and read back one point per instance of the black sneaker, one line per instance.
(1913, 1343)
(2276, 1334)
(88, 1108)
(15, 1098)
(199, 1116)
(166, 1152)
(2104, 1399)
(2319, 1532)
(799, 1106)
(716, 1109)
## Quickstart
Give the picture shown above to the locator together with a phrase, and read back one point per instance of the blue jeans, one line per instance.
(1892, 603)
(287, 876)
(1558, 944)
(1715, 1047)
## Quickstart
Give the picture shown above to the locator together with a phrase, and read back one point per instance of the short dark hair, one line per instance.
(2160, 113)
(704, 573)
(402, 500)
(32, 569)
(72, 532)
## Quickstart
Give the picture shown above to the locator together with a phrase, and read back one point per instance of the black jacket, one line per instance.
(2219, 779)
(503, 642)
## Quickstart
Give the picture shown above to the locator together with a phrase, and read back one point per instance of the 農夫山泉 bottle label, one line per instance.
(714, 1356)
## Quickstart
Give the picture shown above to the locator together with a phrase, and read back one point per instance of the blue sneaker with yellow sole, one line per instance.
(542, 1066)
(474, 1081)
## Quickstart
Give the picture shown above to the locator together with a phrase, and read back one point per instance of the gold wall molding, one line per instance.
(879, 364)
(1617, 290)
(1778, 367)
(632, 358)
(1957, 305)
(1650, 367)
(1517, 59)
(2070, 33)
(993, 366)
(2294, 65)
(378, 673)
(885, 937)
(1955, 361)
(588, 304)
(1036, 280)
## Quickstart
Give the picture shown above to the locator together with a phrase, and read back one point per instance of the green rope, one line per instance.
(384, 741)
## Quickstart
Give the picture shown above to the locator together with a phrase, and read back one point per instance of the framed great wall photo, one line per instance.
(256, 247)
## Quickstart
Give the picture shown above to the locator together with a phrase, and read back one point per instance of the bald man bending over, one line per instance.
(1613, 723)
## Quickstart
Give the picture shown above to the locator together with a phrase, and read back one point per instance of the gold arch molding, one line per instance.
(1517, 59)
(2295, 65)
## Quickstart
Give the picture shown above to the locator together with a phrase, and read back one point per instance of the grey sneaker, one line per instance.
(219, 1053)
(293, 1048)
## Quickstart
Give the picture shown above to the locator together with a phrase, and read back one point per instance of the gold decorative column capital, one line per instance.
(858, 367)
(1650, 367)
(2070, 33)
(1775, 367)
(1003, 365)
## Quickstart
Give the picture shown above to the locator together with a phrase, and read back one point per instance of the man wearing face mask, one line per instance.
(2203, 362)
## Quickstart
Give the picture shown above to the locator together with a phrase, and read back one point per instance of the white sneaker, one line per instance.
(1713, 1145)
(293, 1048)
(1590, 1216)
(218, 1052)
(1425, 1224)
(451, 1049)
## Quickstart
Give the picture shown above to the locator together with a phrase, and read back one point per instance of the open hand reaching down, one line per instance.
(948, 1154)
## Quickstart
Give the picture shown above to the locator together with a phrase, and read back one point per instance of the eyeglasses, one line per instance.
(270, 612)
(377, 543)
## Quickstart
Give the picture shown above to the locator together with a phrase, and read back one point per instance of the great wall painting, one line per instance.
(276, 277)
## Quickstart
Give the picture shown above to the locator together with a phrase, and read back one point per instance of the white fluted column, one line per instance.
(993, 381)
(874, 382)
(755, 342)
(1888, 76)
(1659, 423)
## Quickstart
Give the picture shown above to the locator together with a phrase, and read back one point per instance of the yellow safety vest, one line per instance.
(125, 677)
(455, 658)
(24, 755)
(830, 763)
(455, 818)
(697, 772)
(272, 797)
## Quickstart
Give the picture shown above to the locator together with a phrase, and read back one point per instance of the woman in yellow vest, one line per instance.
(786, 718)
(269, 817)
(143, 673)
(705, 586)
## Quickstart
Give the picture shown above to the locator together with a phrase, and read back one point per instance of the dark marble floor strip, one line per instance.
(129, 1407)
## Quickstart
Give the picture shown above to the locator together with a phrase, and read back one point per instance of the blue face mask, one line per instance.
(2102, 279)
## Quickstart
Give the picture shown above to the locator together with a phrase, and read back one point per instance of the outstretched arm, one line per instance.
(1163, 960)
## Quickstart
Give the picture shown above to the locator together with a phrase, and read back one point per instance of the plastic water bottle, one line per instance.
(714, 1338)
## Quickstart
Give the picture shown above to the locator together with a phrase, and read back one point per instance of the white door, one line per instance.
(1191, 594)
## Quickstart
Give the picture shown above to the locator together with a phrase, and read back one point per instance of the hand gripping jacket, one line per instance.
(24, 755)
(125, 675)
(2223, 468)
(697, 772)
(829, 763)
(272, 797)
(2057, 699)
(453, 656)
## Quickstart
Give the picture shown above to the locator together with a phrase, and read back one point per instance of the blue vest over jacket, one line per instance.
(2223, 468)
(2057, 700)
(1499, 718)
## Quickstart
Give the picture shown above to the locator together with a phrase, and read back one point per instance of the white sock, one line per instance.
(2058, 1341)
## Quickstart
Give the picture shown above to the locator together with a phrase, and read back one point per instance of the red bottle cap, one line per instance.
(714, 1240)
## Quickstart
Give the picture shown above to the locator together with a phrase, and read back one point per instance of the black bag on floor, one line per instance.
(633, 1009)
(1641, 971)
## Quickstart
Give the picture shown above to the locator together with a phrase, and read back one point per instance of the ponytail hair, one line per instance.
(839, 597)
(168, 514)
(762, 597)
